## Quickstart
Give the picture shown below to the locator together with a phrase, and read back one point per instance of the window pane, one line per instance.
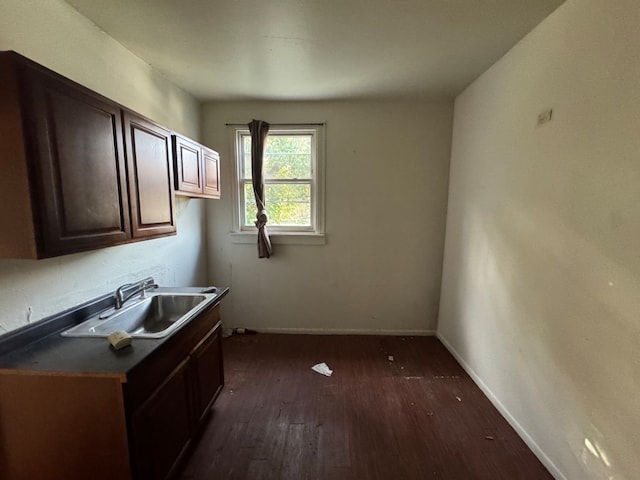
(285, 157)
(287, 205)
(250, 209)
(288, 143)
(287, 166)
(246, 154)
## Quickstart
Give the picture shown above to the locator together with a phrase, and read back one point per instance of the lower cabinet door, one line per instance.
(208, 374)
(161, 427)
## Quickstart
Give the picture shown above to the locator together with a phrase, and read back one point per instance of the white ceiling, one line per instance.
(318, 49)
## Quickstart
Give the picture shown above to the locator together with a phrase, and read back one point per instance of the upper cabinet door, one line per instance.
(149, 164)
(77, 165)
(211, 168)
(197, 169)
(188, 158)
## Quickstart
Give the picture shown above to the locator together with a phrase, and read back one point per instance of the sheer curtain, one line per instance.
(259, 130)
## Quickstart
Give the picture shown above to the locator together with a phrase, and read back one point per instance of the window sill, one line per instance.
(281, 238)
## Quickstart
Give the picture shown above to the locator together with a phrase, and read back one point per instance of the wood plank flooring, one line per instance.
(396, 408)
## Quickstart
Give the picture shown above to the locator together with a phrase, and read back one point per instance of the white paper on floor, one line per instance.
(323, 369)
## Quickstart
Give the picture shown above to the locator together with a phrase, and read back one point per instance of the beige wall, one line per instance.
(53, 34)
(386, 184)
(541, 284)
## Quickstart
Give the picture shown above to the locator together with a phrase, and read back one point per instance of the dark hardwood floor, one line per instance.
(396, 408)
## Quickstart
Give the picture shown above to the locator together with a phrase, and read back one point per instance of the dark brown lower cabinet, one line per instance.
(134, 425)
(162, 427)
(208, 376)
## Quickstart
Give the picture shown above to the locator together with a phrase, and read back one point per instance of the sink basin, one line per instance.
(153, 317)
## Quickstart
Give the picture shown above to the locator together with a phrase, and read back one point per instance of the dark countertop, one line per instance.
(40, 348)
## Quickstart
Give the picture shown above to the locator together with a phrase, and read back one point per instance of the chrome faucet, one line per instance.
(140, 287)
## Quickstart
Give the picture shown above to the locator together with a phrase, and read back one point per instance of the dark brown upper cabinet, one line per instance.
(197, 169)
(211, 168)
(64, 186)
(149, 163)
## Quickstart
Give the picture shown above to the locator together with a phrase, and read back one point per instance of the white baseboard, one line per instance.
(348, 331)
(533, 446)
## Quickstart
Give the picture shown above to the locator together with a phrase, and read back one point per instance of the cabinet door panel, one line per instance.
(149, 163)
(62, 427)
(208, 373)
(211, 167)
(197, 169)
(78, 165)
(188, 171)
(161, 427)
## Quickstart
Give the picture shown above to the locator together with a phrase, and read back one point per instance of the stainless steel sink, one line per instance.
(153, 317)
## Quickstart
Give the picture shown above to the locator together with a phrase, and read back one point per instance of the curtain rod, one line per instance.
(277, 124)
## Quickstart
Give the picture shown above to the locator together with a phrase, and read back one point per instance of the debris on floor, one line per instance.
(323, 369)
(459, 399)
(227, 332)
(390, 357)
(244, 331)
(489, 437)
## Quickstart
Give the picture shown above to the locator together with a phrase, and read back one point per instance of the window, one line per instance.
(292, 168)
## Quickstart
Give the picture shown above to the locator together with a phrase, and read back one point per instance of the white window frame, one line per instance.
(314, 235)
